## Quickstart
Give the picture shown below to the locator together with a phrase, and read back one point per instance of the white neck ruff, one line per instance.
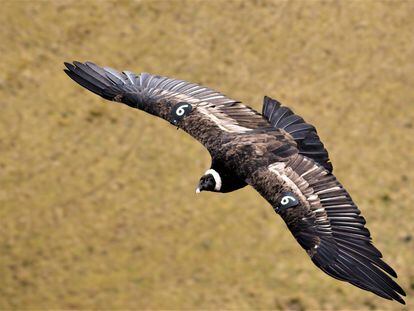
(216, 177)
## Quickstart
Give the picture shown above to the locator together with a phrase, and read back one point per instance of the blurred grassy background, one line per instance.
(97, 203)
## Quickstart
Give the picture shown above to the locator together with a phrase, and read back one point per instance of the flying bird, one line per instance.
(276, 152)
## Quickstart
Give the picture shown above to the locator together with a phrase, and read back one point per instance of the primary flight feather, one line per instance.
(276, 152)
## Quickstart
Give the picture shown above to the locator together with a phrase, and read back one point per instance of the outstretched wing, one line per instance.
(327, 224)
(198, 110)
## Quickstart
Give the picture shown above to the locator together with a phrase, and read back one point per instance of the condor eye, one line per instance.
(179, 111)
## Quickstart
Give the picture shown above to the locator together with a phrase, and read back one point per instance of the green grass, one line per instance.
(97, 203)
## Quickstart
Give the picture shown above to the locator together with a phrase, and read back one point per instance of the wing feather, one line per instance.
(327, 224)
(157, 95)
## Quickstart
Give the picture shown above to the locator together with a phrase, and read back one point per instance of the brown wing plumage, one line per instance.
(157, 95)
(327, 224)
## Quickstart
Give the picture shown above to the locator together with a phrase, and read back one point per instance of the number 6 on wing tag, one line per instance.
(179, 111)
(287, 200)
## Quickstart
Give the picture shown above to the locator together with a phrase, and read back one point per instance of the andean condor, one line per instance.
(276, 152)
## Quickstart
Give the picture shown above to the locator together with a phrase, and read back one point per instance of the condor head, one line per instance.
(210, 181)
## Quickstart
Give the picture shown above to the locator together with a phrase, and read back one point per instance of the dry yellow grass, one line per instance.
(97, 203)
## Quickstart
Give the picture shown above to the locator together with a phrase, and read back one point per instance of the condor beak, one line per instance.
(198, 190)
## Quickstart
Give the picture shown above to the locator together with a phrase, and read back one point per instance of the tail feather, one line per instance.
(303, 133)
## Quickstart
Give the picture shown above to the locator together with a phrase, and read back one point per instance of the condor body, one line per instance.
(276, 152)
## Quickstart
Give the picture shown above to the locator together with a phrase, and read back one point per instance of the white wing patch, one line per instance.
(209, 103)
(222, 120)
(282, 172)
(298, 183)
(211, 112)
